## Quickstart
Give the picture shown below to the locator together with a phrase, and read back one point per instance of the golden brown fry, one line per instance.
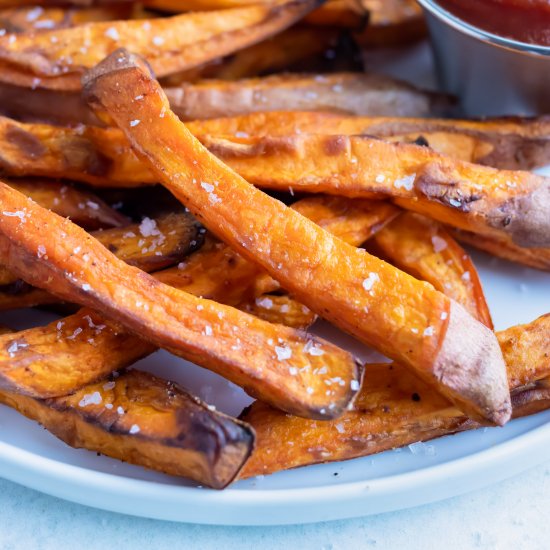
(19, 295)
(511, 144)
(35, 18)
(380, 305)
(537, 258)
(177, 6)
(394, 409)
(66, 355)
(280, 309)
(423, 248)
(353, 93)
(143, 420)
(512, 205)
(283, 366)
(83, 207)
(57, 59)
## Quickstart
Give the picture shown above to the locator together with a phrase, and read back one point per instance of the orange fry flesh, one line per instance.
(423, 248)
(283, 366)
(395, 409)
(57, 59)
(398, 315)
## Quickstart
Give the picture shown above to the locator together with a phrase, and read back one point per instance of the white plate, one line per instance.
(446, 467)
(393, 480)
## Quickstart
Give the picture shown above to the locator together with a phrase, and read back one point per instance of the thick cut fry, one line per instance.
(35, 18)
(394, 409)
(66, 355)
(83, 207)
(423, 248)
(538, 258)
(143, 420)
(150, 246)
(513, 144)
(282, 366)
(512, 205)
(354, 93)
(382, 306)
(57, 59)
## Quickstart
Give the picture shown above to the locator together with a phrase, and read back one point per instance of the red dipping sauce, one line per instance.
(523, 20)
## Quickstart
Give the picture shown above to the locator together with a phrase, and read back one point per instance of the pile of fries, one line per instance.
(297, 186)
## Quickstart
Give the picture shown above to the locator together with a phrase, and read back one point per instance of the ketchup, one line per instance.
(523, 20)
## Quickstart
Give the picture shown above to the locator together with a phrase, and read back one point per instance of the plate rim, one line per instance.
(262, 506)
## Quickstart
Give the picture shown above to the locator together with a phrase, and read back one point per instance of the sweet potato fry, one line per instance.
(221, 274)
(423, 248)
(83, 207)
(512, 205)
(35, 18)
(149, 246)
(283, 52)
(380, 305)
(66, 355)
(334, 13)
(57, 59)
(354, 93)
(340, 13)
(537, 258)
(394, 409)
(41, 105)
(392, 23)
(143, 420)
(513, 144)
(285, 367)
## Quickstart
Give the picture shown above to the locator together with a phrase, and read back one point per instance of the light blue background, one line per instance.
(511, 515)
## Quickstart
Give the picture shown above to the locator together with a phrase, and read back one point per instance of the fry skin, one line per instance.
(537, 258)
(512, 205)
(506, 143)
(352, 93)
(57, 59)
(283, 366)
(394, 409)
(382, 306)
(282, 52)
(423, 248)
(144, 420)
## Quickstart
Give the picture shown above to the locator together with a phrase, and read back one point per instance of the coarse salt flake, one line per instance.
(90, 399)
(283, 353)
(135, 429)
(439, 244)
(368, 283)
(406, 182)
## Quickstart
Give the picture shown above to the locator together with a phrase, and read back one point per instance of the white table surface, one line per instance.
(510, 515)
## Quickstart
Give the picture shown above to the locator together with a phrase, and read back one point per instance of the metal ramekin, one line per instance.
(490, 75)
